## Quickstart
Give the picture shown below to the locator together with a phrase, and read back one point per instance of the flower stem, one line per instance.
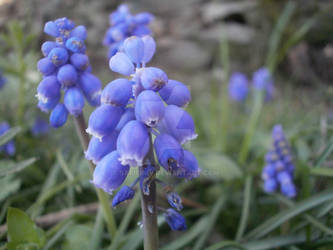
(80, 126)
(149, 210)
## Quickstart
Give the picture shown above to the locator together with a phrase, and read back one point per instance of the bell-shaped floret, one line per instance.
(109, 173)
(48, 89)
(175, 93)
(74, 101)
(153, 78)
(124, 194)
(175, 201)
(98, 149)
(117, 93)
(149, 48)
(75, 45)
(178, 123)
(120, 63)
(91, 87)
(67, 75)
(134, 48)
(133, 143)
(103, 120)
(125, 118)
(58, 56)
(169, 152)
(79, 32)
(190, 167)
(45, 66)
(149, 108)
(79, 61)
(175, 220)
(58, 116)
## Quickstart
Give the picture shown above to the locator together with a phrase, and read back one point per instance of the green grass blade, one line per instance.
(327, 172)
(96, 237)
(210, 224)
(9, 135)
(246, 208)
(323, 156)
(10, 168)
(275, 221)
(276, 36)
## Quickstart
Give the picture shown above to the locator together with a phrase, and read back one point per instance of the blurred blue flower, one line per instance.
(175, 220)
(263, 80)
(3, 80)
(40, 127)
(65, 67)
(8, 148)
(279, 168)
(238, 87)
(123, 25)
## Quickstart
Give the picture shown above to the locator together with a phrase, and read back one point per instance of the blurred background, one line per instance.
(200, 43)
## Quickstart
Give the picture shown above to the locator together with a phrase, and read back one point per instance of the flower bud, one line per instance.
(109, 173)
(120, 63)
(124, 194)
(103, 120)
(175, 201)
(74, 101)
(58, 56)
(79, 32)
(51, 29)
(45, 66)
(149, 48)
(79, 61)
(76, 45)
(117, 93)
(175, 93)
(143, 18)
(169, 152)
(270, 185)
(125, 118)
(178, 123)
(48, 88)
(288, 189)
(133, 143)
(134, 48)
(153, 78)
(175, 220)
(67, 75)
(98, 149)
(49, 105)
(91, 87)
(47, 47)
(149, 108)
(58, 116)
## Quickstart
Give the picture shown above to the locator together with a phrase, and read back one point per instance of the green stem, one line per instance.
(149, 210)
(21, 89)
(246, 208)
(80, 126)
(245, 148)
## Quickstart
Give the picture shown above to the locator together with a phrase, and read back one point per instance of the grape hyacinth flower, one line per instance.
(238, 87)
(262, 80)
(40, 127)
(8, 148)
(142, 113)
(279, 169)
(123, 25)
(66, 68)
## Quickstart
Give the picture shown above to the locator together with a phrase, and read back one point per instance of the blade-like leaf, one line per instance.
(7, 167)
(275, 221)
(327, 172)
(327, 151)
(9, 135)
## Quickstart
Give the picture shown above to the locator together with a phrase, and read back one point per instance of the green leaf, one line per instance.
(226, 244)
(9, 167)
(77, 237)
(327, 172)
(218, 166)
(210, 224)
(8, 185)
(327, 151)
(275, 221)
(21, 229)
(9, 135)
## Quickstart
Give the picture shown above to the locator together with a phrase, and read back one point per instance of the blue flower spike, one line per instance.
(279, 169)
(66, 70)
(150, 114)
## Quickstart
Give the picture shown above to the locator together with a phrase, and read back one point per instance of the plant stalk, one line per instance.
(149, 209)
(80, 126)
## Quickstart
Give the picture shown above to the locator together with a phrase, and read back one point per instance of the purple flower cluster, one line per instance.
(123, 25)
(66, 67)
(9, 147)
(3, 80)
(239, 86)
(279, 169)
(143, 110)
